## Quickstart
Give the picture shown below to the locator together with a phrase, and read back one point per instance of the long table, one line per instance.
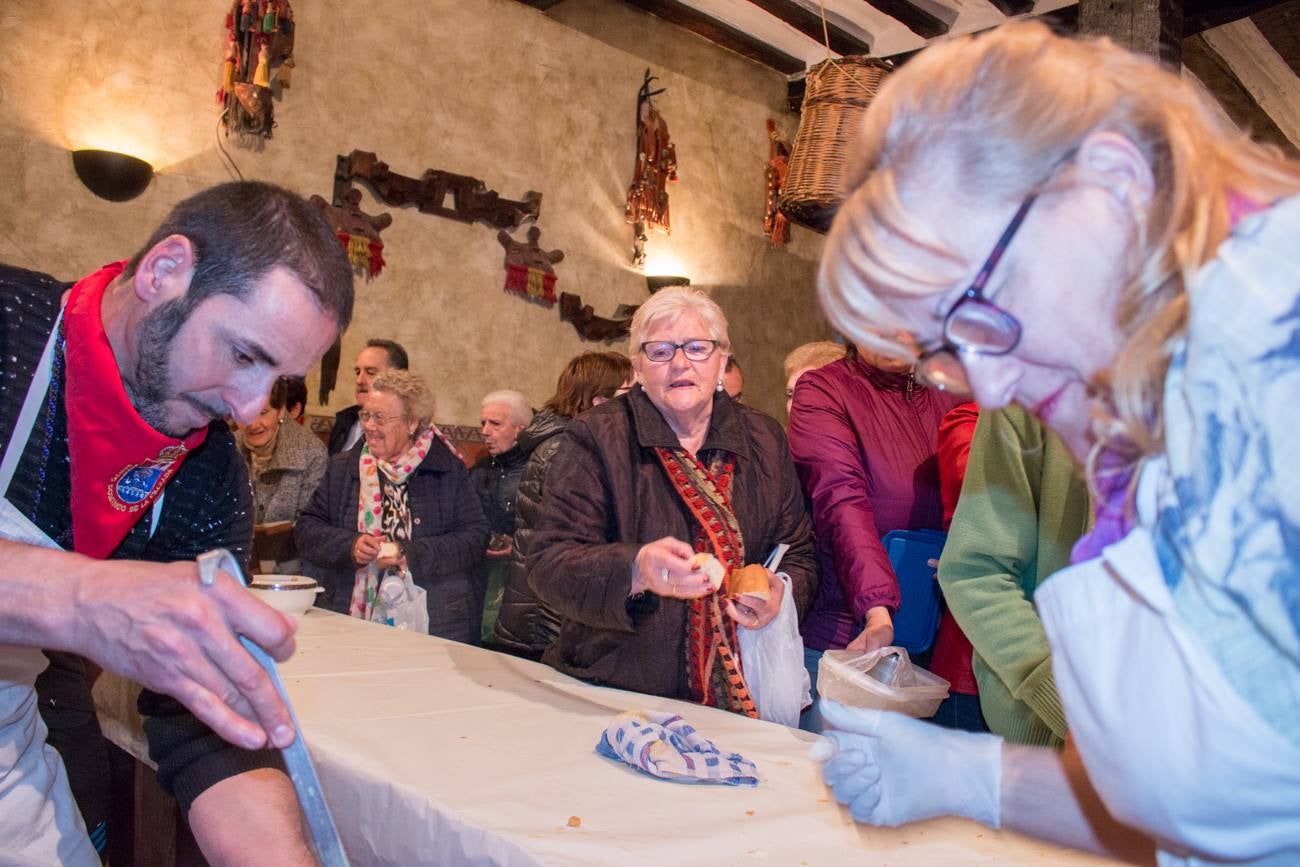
(433, 752)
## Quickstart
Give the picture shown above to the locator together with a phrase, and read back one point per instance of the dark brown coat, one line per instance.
(607, 495)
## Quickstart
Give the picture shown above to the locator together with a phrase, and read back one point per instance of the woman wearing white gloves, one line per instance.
(1064, 225)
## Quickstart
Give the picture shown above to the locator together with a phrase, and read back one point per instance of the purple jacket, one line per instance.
(864, 446)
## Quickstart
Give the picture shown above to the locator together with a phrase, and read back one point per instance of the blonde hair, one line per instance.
(672, 303)
(411, 390)
(1006, 111)
(819, 353)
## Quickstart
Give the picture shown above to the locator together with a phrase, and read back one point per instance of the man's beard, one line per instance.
(152, 386)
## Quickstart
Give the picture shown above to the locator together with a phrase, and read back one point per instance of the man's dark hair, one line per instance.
(243, 229)
(396, 354)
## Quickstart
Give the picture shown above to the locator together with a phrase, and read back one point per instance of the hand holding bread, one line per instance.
(752, 593)
(667, 567)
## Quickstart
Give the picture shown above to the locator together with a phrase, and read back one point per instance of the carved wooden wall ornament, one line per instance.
(593, 327)
(656, 166)
(775, 224)
(357, 231)
(443, 194)
(529, 270)
(258, 58)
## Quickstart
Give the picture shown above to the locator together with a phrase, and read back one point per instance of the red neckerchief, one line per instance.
(119, 463)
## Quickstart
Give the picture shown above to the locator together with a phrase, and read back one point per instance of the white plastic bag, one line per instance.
(772, 660)
(401, 604)
(885, 679)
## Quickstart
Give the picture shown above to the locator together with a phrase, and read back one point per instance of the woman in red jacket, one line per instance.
(863, 433)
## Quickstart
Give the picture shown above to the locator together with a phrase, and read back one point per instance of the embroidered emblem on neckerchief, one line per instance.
(133, 487)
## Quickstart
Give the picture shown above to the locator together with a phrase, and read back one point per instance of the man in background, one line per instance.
(377, 356)
(496, 475)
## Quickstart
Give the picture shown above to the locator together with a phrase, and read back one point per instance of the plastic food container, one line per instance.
(288, 594)
(884, 679)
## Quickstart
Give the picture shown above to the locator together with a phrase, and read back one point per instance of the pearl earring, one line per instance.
(719, 388)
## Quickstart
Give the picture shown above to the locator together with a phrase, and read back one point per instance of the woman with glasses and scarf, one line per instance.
(397, 501)
(641, 485)
(1064, 225)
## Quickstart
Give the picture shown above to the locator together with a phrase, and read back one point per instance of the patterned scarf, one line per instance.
(712, 649)
(384, 510)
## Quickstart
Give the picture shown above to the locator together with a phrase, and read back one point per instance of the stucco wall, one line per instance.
(489, 88)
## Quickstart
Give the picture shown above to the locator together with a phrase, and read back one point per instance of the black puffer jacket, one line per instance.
(524, 624)
(495, 479)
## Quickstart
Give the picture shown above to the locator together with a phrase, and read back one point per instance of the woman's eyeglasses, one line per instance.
(974, 325)
(377, 417)
(694, 349)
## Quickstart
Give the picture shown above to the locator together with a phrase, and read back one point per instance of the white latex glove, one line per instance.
(889, 769)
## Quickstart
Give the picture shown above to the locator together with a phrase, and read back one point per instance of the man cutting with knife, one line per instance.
(111, 473)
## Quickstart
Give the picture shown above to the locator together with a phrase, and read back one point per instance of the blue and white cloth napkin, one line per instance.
(667, 746)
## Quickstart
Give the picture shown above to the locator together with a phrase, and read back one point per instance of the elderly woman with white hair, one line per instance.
(503, 417)
(639, 487)
(398, 500)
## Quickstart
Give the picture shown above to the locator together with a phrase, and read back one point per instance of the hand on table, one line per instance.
(663, 567)
(890, 769)
(155, 624)
(752, 612)
(879, 631)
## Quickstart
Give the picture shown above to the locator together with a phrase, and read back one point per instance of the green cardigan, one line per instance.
(1023, 505)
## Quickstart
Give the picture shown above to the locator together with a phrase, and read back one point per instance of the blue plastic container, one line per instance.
(917, 619)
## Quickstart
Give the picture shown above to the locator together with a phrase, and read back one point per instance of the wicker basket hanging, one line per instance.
(836, 96)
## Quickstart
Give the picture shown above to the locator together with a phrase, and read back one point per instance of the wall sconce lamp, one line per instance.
(655, 283)
(111, 175)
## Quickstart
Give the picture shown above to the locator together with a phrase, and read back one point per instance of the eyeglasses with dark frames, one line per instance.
(974, 325)
(695, 349)
(377, 417)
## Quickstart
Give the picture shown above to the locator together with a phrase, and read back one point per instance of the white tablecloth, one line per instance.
(432, 752)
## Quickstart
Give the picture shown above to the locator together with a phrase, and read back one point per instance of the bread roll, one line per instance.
(749, 580)
(710, 566)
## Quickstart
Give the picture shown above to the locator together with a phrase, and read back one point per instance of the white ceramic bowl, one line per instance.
(288, 594)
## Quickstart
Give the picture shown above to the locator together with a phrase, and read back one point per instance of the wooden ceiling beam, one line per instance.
(1281, 27)
(809, 23)
(1151, 27)
(720, 33)
(914, 18)
(1232, 95)
(1014, 7)
(1063, 20)
(1261, 71)
(1202, 15)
